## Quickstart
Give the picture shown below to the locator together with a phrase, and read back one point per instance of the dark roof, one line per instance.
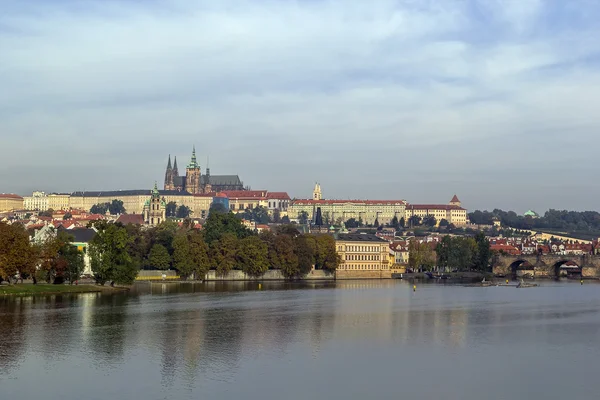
(455, 200)
(134, 219)
(81, 235)
(118, 193)
(222, 180)
(359, 237)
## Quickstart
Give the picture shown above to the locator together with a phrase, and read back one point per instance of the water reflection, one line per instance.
(181, 338)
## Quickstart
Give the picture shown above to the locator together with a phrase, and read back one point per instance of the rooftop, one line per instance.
(359, 237)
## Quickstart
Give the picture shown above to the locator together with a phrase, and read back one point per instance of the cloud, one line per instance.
(287, 92)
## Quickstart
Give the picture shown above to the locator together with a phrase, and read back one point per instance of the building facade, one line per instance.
(362, 256)
(10, 202)
(194, 182)
(338, 211)
(451, 212)
(155, 209)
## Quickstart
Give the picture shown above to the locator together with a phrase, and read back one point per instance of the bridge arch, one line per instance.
(521, 267)
(567, 268)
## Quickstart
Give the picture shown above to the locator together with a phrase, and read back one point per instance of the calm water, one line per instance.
(351, 340)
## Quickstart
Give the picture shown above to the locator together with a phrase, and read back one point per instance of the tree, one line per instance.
(444, 223)
(430, 221)
(67, 215)
(414, 220)
(75, 263)
(303, 217)
(287, 229)
(351, 223)
(171, 209)
(285, 219)
(285, 249)
(252, 256)
(99, 208)
(116, 207)
(183, 211)
(16, 253)
(182, 260)
(326, 256)
(402, 222)
(48, 213)
(484, 254)
(420, 255)
(199, 254)
(219, 224)
(222, 253)
(305, 251)
(159, 257)
(319, 217)
(276, 215)
(394, 223)
(109, 256)
(376, 223)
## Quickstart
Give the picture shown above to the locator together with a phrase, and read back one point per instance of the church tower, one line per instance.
(317, 195)
(192, 175)
(207, 185)
(455, 201)
(155, 208)
(169, 176)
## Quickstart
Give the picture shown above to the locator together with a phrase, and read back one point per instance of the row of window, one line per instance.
(375, 267)
(362, 257)
(363, 248)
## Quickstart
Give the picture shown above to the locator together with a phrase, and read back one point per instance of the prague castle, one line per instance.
(194, 182)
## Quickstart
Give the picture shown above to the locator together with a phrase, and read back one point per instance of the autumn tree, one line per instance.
(16, 253)
(285, 249)
(252, 256)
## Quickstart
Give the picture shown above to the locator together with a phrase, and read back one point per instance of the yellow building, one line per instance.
(59, 201)
(362, 256)
(451, 212)
(134, 200)
(10, 202)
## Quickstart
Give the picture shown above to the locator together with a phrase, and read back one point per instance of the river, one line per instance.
(344, 340)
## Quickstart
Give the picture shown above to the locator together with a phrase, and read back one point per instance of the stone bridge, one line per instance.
(551, 265)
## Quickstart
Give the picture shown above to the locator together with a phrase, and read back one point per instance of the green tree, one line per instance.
(159, 257)
(443, 252)
(420, 255)
(222, 253)
(303, 217)
(182, 260)
(218, 208)
(429, 220)
(109, 256)
(402, 222)
(415, 220)
(352, 223)
(444, 223)
(252, 256)
(394, 223)
(74, 262)
(171, 209)
(116, 207)
(218, 224)
(67, 215)
(484, 253)
(183, 211)
(276, 215)
(199, 254)
(285, 248)
(306, 248)
(100, 208)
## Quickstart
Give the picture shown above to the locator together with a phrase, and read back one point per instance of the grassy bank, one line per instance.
(44, 288)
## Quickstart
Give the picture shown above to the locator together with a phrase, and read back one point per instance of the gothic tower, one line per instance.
(169, 176)
(207, 185)
(192, 175)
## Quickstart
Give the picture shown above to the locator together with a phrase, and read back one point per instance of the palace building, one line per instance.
(194, 182)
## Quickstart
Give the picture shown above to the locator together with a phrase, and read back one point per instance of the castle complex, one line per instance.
(194, 182)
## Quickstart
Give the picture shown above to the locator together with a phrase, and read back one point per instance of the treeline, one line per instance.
(460, 253)
(553, 219)
(117, 252)
(55, 260)
(114, 207)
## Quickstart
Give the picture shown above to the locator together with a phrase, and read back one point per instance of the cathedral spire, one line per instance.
(168, 175)
(175, 171)
(169, 163)
(193, 162)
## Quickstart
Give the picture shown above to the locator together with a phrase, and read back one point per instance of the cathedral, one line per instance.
(194, 182)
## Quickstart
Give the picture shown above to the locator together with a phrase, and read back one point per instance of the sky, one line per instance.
(494, 100)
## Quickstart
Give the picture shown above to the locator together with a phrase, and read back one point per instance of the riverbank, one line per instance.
(44, 288)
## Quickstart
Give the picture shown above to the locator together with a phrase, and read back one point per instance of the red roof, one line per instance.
(10, 196)
(134, 219)
(455, 200)
(433, 207)
(220, 194)
(278, 195)
(506, 248)
(245, 194)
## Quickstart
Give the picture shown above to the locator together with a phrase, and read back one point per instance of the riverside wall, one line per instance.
(270, 275)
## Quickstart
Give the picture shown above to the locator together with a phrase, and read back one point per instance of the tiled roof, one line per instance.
(455, 199)
(134, 192)
(245, 194)
(433, 207)
(359, 237)
(134, 219)
(10, 196)
(278, 195)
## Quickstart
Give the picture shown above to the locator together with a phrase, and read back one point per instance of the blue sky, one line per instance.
(494, 100)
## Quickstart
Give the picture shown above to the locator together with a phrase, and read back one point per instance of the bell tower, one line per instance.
(317, 195)
(192, 175)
